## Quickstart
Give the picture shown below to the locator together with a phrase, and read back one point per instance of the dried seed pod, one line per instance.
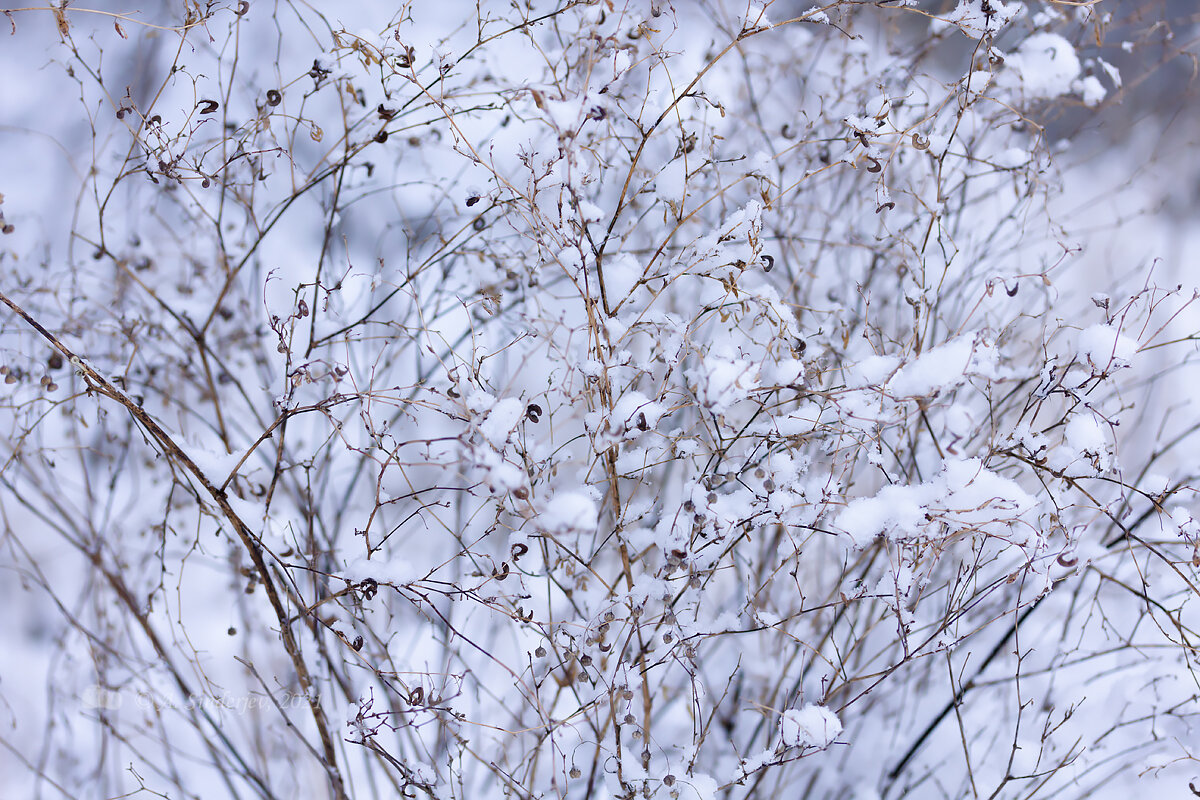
(274, 97)
(208, 106)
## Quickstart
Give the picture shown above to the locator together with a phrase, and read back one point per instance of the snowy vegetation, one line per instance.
(609, 399)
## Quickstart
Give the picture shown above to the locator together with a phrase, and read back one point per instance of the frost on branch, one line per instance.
(979, 18)
(963, 499)
(812, 725)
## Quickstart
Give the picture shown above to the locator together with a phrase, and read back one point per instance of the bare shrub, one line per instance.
(585, 399)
